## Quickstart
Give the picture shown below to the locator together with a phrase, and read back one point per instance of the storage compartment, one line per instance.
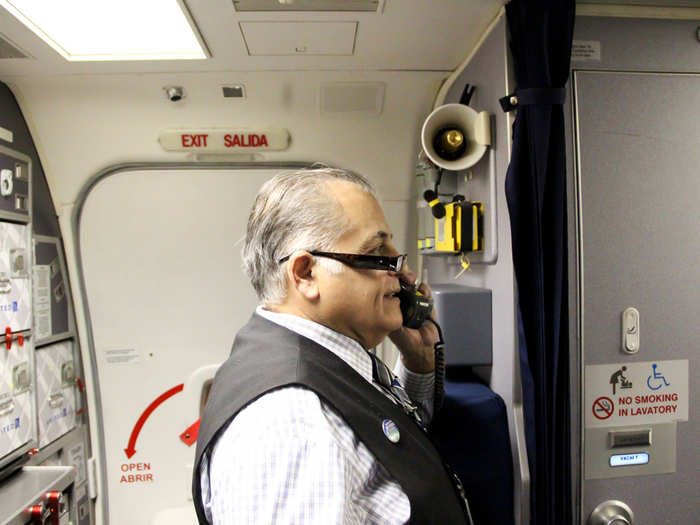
(15, 298)
(39, 495)
(17, 429)
(55, 373)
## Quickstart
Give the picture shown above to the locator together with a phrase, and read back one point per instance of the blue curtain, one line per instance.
(540, 41)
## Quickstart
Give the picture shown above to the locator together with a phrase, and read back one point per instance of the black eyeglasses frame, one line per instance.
(362, 261)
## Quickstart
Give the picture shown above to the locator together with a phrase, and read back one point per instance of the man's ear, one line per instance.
(301, 275)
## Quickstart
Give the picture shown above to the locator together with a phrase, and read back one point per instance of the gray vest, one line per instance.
(267, 357)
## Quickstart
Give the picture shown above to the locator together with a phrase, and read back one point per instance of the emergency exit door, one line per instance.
(637, 139)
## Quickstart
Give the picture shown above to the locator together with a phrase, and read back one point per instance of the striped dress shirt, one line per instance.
(289, 458)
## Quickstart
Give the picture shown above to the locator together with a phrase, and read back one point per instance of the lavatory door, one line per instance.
(638, 157)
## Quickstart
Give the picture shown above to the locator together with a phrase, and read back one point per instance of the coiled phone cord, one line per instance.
(439, 348)
(437, 403)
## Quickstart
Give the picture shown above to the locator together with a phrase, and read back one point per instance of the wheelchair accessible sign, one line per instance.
(636, 393)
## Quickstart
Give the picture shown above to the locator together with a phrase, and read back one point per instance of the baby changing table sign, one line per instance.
(621, 394)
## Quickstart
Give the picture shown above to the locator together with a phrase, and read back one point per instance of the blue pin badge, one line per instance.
(391, 431)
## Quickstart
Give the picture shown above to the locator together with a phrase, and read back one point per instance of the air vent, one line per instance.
(307, 5)
(10, 50)
(351, 99)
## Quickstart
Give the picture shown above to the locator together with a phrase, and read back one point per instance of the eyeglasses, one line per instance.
(363, 262)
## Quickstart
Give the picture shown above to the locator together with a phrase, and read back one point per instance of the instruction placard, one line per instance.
(585, 50)
(42, 301)
(620, 394)
(122, 356)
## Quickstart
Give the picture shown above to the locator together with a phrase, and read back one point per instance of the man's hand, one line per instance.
(417, 346)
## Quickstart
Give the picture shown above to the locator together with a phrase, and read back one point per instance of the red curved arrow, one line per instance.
(130, 450)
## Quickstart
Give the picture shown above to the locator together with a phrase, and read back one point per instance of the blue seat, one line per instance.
(471, 433)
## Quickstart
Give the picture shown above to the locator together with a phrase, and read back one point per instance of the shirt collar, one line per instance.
(341, 345)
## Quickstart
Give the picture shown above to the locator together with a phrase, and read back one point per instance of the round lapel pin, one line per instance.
(391, 431)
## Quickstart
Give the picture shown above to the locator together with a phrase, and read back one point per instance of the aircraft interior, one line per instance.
(537, 161)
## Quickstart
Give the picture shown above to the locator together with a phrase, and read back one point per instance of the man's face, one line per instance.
(361, 303)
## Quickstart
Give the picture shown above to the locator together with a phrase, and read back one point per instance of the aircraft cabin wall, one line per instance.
(44, 421)
(137, 244)
(152, 239)
(153, 250)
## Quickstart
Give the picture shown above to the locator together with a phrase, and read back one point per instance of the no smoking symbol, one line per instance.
(603, 407)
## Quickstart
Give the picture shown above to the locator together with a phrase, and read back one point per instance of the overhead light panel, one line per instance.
(96, 30)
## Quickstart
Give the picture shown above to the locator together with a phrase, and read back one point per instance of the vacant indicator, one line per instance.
(624, 460)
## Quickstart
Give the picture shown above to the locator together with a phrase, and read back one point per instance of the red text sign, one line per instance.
(224, 140)
(136, 473)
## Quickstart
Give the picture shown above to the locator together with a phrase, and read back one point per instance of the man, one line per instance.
(297, 430)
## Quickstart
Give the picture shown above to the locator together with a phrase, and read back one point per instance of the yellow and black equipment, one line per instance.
(462, 228)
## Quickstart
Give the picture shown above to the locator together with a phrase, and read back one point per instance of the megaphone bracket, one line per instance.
(432, 197)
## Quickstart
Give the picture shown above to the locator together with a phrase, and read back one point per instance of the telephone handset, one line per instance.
(415, 307)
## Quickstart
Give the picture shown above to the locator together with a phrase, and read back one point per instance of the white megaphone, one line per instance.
(455, 137)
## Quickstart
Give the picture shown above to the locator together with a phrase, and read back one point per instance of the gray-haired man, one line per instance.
(300, 428)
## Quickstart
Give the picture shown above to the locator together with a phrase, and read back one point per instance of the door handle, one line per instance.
(611, 512)
(7, 406)
(618, 520)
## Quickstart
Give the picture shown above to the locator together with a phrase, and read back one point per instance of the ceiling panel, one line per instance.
(299, 38)
(403, 35)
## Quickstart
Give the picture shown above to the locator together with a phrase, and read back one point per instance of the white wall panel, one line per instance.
(83, 124)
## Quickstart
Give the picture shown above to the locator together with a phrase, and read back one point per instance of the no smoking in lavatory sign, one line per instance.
(603, 407)
(620, 394)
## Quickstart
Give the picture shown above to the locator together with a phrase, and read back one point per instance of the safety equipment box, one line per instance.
(15, 284)
(17, 421)
(56, 396)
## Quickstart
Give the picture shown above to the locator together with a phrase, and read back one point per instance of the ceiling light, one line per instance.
(89, 30)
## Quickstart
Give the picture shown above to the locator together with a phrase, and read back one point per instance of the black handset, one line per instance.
(415, 307)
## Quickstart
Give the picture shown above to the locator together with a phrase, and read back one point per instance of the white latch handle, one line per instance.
(630, 331)
(6, 183)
